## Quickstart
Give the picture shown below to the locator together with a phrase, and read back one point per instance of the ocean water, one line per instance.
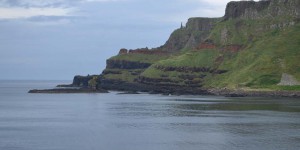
(143, 122)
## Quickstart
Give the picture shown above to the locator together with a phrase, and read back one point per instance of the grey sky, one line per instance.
(57, 39)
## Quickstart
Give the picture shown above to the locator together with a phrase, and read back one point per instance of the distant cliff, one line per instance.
(253, 47)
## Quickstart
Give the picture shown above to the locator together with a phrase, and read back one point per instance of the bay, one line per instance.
(142, 122)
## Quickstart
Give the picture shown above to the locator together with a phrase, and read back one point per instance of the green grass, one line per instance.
(287, 88)
(203, 58)
(125, 75)
(262, 63)
(140, 57)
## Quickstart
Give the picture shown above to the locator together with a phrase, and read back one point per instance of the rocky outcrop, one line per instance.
(124, 64)
(82, 81)
(196, 31)
(144, 51)
(245, 9)
(119, 85)
(288, 80)
(262, 9)
(68, 90)
(123, 51)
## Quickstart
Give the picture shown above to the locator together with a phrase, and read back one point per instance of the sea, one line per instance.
(114, 121)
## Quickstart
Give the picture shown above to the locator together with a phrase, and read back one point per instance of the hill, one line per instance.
(253, 49)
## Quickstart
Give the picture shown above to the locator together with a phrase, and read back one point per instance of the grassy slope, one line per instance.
(261, 64)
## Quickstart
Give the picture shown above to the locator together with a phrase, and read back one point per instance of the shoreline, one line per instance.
(212, 92)
(66, 91)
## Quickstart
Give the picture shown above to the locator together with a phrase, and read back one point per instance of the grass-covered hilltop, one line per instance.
(254, 49)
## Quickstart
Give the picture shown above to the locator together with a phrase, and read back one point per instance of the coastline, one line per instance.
(129, 88)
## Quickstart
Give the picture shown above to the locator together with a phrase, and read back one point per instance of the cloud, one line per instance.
(36, 3)
(15, 9)
(47, 3)
(19, 12)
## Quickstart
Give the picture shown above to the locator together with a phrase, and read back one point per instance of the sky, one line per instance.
(58, 39)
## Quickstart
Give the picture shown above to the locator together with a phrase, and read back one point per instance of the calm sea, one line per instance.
(143, 122)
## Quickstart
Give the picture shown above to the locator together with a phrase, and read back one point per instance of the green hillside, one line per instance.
(255, 46)
(259, 65)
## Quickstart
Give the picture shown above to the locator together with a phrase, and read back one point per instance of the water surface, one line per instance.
(143, 122)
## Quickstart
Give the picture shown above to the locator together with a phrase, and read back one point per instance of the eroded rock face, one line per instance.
(196, 31)
(262, 9)
(123, 64)
(245, 9)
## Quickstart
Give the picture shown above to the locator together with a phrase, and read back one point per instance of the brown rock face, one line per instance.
(196, 31)
(207, 46)
(246, 9)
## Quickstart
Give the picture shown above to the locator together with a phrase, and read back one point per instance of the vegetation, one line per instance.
(268, 48)
(124, 75)
(259, 65)
(140, 57)
(92, 83)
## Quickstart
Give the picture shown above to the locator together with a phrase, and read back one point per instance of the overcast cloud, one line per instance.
(57, 39)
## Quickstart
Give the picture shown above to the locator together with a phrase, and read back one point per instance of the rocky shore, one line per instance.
(62, 90)
(81, 85)
(249, 93)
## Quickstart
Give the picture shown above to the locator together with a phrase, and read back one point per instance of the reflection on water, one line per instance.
(135, 122)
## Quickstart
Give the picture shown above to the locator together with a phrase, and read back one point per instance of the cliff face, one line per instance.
(262, 9)
(252, 46)
(196, 31)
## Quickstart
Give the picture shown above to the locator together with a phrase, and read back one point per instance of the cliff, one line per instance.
(253, 47)
(263, 9)
(189, 37)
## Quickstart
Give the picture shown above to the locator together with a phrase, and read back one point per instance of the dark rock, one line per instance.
(129, 92)
(67, 90)
(82, 81)
(123, 64)
(123, 51)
